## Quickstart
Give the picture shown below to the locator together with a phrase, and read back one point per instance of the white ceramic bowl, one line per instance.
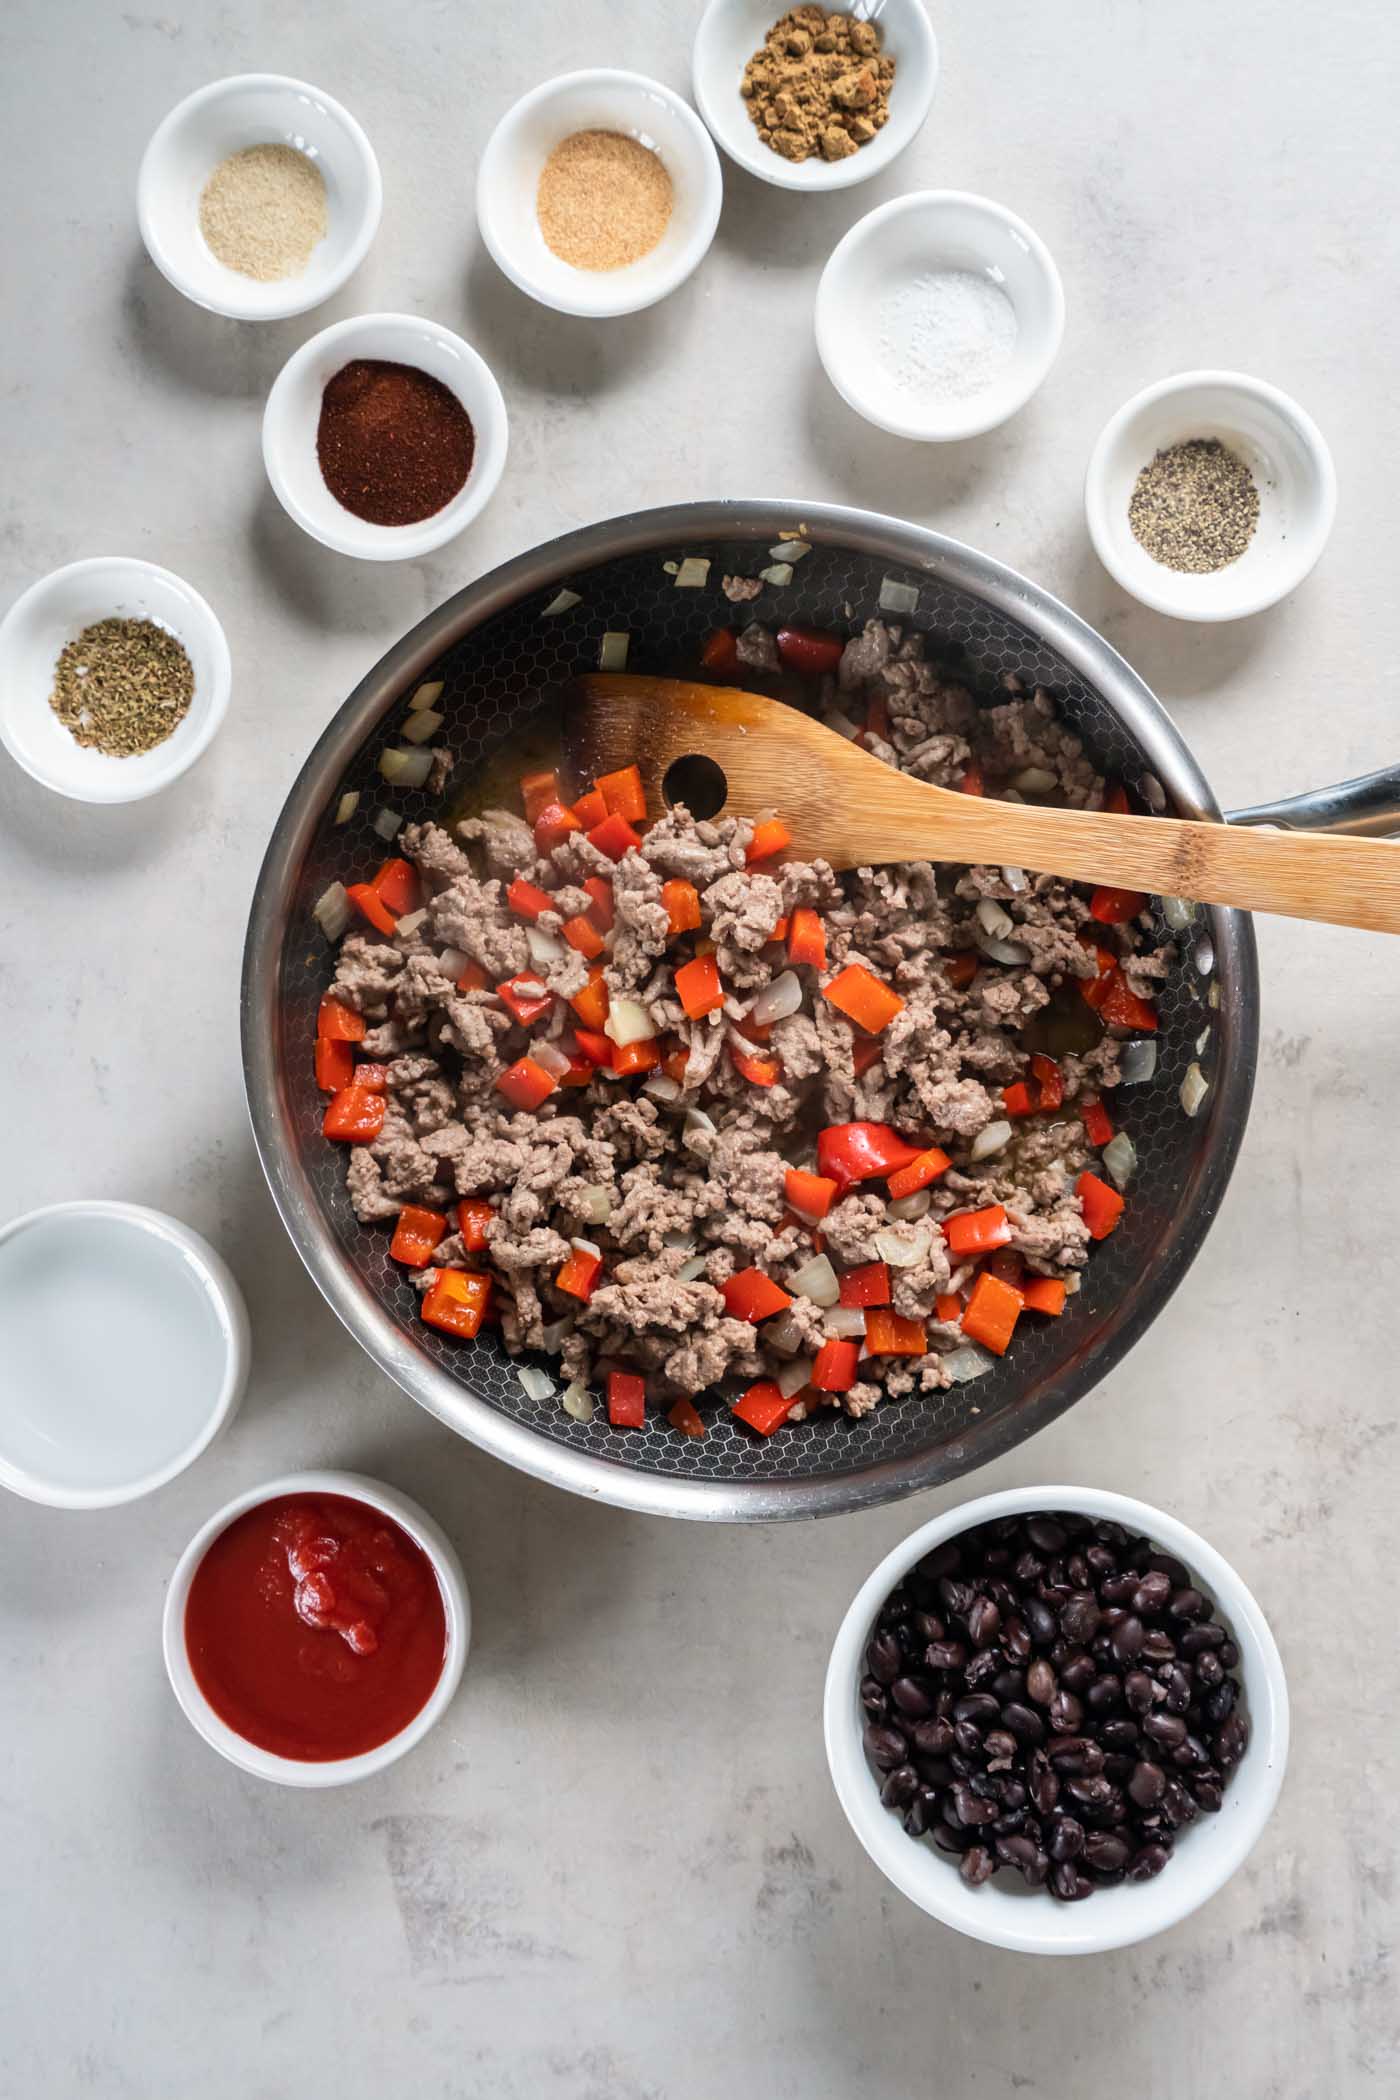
(125, 1352)
(895, 245)
(732, 30)
(601, 99)
(293, 412)
(256, 109)
(1029, 1921)
(1283, 449)
(52, 613)
(339, 1771)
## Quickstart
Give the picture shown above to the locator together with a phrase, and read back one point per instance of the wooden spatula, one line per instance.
(851, 809)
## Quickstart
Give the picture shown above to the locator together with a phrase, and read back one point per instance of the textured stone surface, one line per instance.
(617, 1871)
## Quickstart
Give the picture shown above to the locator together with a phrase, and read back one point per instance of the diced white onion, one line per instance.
(842, 724)
(670, 567)
(422, 727)
(778, 573)
(554, 1335)
(1139, 1061)
(995, 1138)
(347, 806)
(662, 1087)
(386, 822)
(735, 1009)
(680, 1241)
(588, 1247)
(897, 597)
(1015, 878)
(1153, 792)
(784, 1333)
(554, 1060)
(405, 768)
(792, 1377)
(846, 1322)
(332, 911)
(1203, 1042)
(816, 1279)
(538, 1384)
(1178, 913)
(995, 919)
(1010, 952)
(593, 1204)
(426, 694)
(1033, 780)
(899, 1252)
(693, 572)
(1120, 1159)
(1204, 956)
(691, 1271)
(612, 651)
(628, 1022)
(1194, 1088)
(544, 947)
(777, 1000)
(561, 602)
(410, 922)
(789, 550)
(452, 962)
(907, 1207)
(697, 1130)
(577, 1401)
(966, 1363)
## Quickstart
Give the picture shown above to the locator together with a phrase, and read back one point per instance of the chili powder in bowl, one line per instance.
(316, 1628)
(384, 436)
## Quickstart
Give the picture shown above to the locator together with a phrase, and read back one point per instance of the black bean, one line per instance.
(1009, 1822)
(1046, 1534)
(1210, 1795)
(1091, 1792)
(1075, 1754)
(1079, 1621)
(1137, 1690)
(1028, 1570)
(1118, 1589)
(1065, 1839)
(1148, 1783)
(1041, 1621)
(945, 1655)
(1013, 1794)
(1023, 1852)
(1229, 1654)
(912, 1697)
(978, 1707)
(884, 1658)
(1016, 1638)
(916, 1816)
(1104, 1694)
(1188, 1603)
(950, 1840)
(1127, 1638)
(1078, 1671)
(1070, 1885)
(1232, 1740)
(935, 1771)
(928, 1626)
(1177, 1805)
(969, 1741)
(1158, 1646)
(956, 1596)
(1164, 1728)
(1008, 1684)
(1220, 1703)
(1196, 1639)
(977, 1865)
(900, 1787)
(971, 1809)
(1152, 1592)
(941, 1561)
(873, 1699)
(1102, 1560)
(1040, 1682)
(985, 1786)
(1022, 1722)
(983, 1622)
(886, 1746)
(1106, 1852)
(1044, 1785)
(1178, 1686)
(1210, 1671)
(1118, 1734)
(1118, 1766)
(1191, 1752)
(1149, 1861)
(999, 1743)
(1066, 1713)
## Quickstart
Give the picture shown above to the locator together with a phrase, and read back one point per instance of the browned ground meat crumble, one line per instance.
(681, 1197)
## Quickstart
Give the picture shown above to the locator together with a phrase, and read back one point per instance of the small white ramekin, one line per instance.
(1031, 1921)
(81, 1426)
(601, 99)
(1283, 449)
(731, 31)
(340, 1771)
(899, 242)
(54, 612)
(293, 414)
(256, 109)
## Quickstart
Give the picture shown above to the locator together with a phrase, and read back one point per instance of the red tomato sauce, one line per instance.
(315, 1627)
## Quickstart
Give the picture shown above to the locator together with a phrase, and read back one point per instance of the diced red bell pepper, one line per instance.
(614, 836)
(770, 836)
(1122, 1008)
(335, 1064)
(1115, 799)
(888, 1333)
(753, 1296)
(525, 997)
(1050, 1078)
(763, 1407)
(721, 650)
(867, 1285)
(806, 941)
(992, 1312)
(538, 791)
(1044, 1294)
(597, 1048)
(354, 1116)
(1102, 1206)
(923, 1169)
(371, 906)
(682, 902)
(959, 970)
(811, 1195)
(973, 1232)
(1018, 1100)
(809, 650)
(862, 996)
(528, 899)
(579, 1274)
(473, 979)
(780, 929)
(553, 825)
(415, 1235)
(1094, 990)
(759, 1071)
(458, 1302)
(948, 1306)
(582, 934)
(591, 1002)
(624, 794)
(375, 1077)
(641, 1056)
(600, 901)
(580, 1072)
(1097, 1124)
(972, 782)
(627, 1400)
(339, 1023)
(877, 717)
(1005, 1264)
(1115, 907)
(674, 1062)
(866, 1050)
(590, 809)
(859, 1151)
(526, 1084)
(397, 885)
(474, 1214)
(683, 1416)
(834, 1370)
(698, 987)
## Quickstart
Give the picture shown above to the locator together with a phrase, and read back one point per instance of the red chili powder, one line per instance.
(394, 443)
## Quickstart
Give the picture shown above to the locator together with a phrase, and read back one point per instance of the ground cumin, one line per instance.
(603, 201)
(819, 85)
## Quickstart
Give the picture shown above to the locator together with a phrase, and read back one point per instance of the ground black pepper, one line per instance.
(394, 443)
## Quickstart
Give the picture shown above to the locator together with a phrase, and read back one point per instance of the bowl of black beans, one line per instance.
(1056, 1719)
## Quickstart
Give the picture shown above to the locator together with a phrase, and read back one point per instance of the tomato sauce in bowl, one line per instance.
(315, 1626)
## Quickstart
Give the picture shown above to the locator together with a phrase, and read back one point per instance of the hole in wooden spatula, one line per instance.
(697, 782)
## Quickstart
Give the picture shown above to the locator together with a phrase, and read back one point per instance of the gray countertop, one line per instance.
(617, 1870)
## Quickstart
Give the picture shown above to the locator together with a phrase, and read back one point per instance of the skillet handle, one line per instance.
(1367, 807)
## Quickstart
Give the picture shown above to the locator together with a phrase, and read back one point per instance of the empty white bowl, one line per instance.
(293, 413)
(256, 109)
(601, 99)
(125, 1352)
(1284, 451)
(338, 1771)
(890, 250)
(54, 612)
(731, 31)
(1003, 1912)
